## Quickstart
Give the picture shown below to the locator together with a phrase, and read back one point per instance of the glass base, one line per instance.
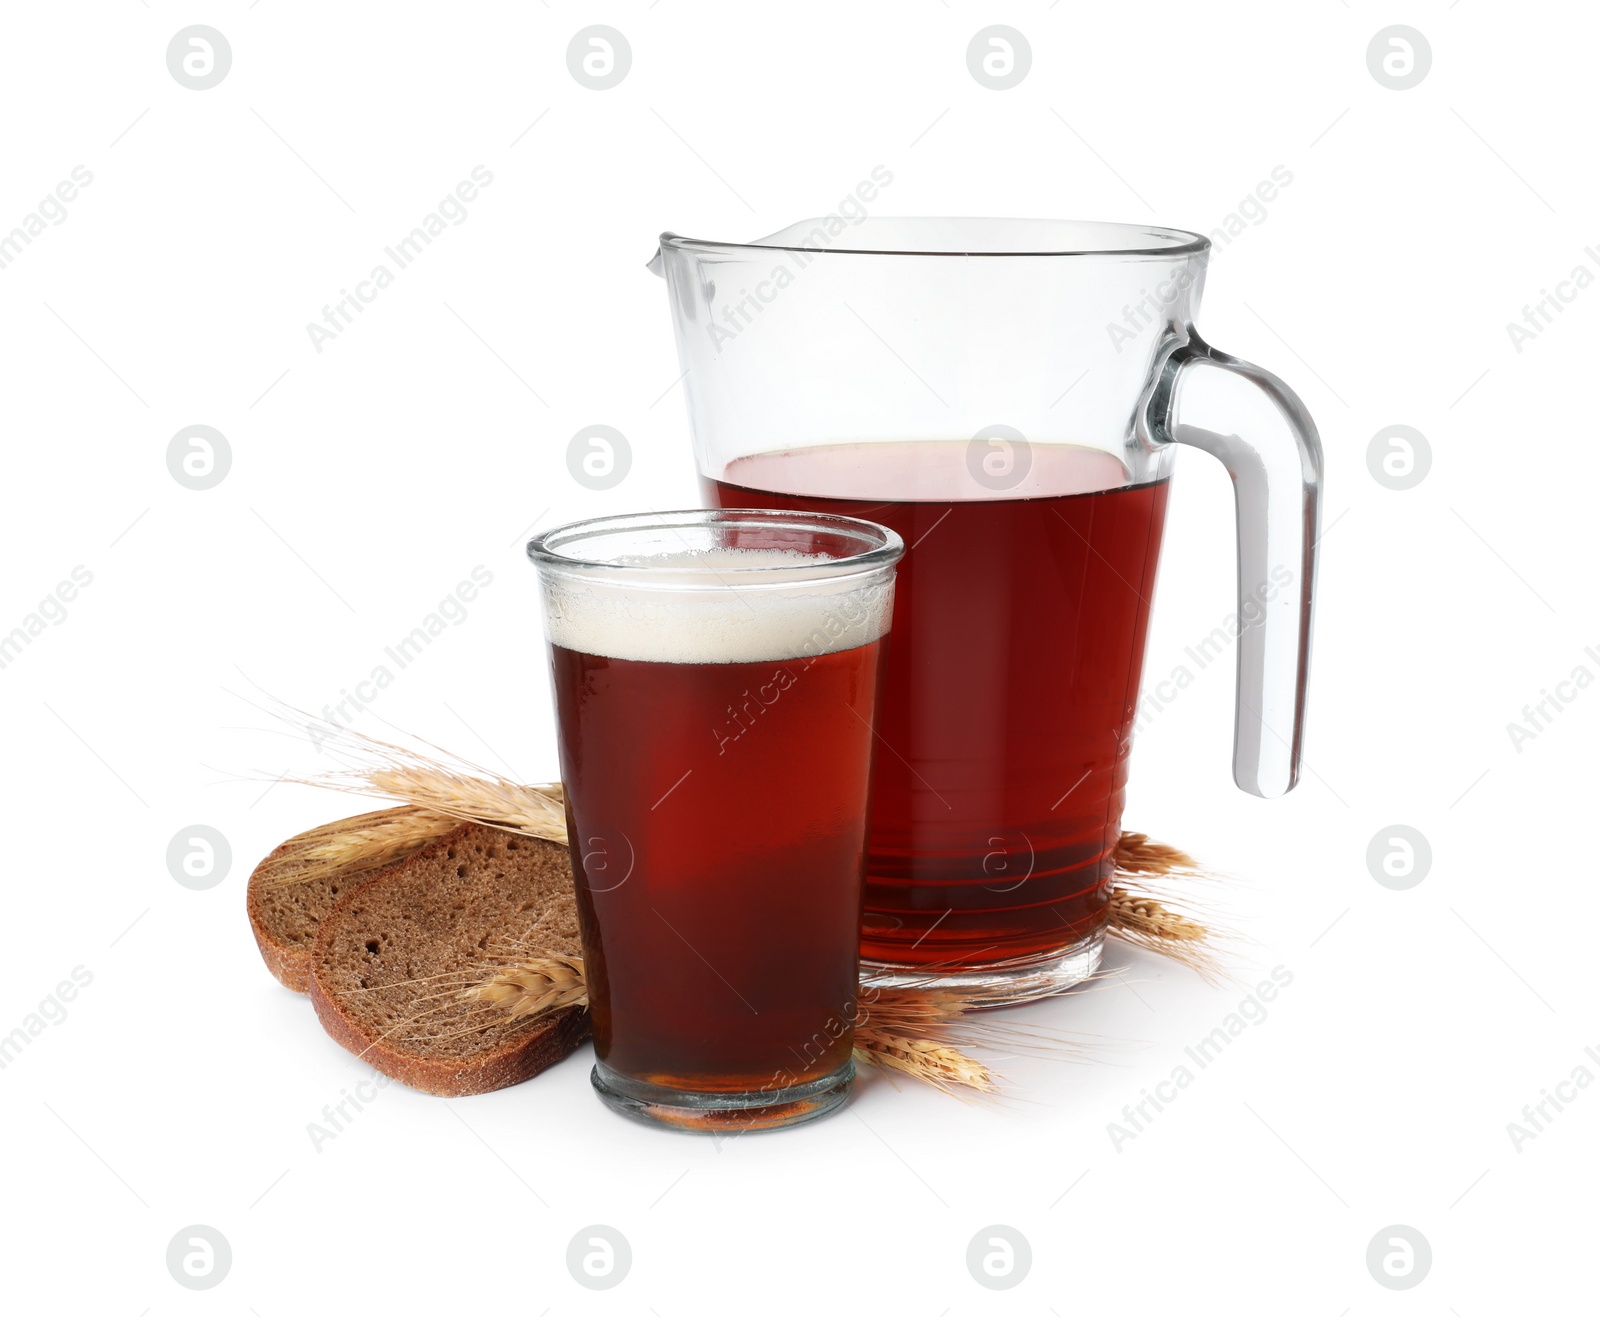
(681, 1109)
(1004, 983)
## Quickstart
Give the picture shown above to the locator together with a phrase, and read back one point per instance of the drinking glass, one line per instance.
(1008, 395)
(716, 679)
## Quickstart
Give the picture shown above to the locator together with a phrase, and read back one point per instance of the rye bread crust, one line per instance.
(459, 903)
(284, 917)
(554, 1039)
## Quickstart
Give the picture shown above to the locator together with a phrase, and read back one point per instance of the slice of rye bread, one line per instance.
(390, 959)
(284, 913)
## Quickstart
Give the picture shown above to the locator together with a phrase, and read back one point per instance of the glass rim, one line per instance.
(1171, 242)
(881, 547)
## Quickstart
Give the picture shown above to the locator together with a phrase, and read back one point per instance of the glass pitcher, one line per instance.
(1007, 395)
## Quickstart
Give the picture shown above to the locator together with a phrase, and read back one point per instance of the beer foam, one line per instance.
(699, 607)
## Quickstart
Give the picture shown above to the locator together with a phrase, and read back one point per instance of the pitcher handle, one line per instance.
(1261, 432)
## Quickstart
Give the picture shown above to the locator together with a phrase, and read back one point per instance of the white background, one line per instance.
(369, 478)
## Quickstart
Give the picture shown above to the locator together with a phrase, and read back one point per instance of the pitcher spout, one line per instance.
(657, 264)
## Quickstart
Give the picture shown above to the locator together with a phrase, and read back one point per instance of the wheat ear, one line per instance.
(1153, 905)
(534, 986)
(926, 1059)
(355, 845)
(427, 777)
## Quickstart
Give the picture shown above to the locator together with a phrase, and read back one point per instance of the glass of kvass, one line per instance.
(717, 678)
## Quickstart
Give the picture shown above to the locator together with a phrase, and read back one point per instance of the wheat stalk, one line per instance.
(945, 1067)
(355, 845)
(1153, 905)
(473, 798)
(916, 1031)
(425, 777)
(1145, 922)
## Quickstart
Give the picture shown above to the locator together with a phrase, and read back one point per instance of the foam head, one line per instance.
(717, 605)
